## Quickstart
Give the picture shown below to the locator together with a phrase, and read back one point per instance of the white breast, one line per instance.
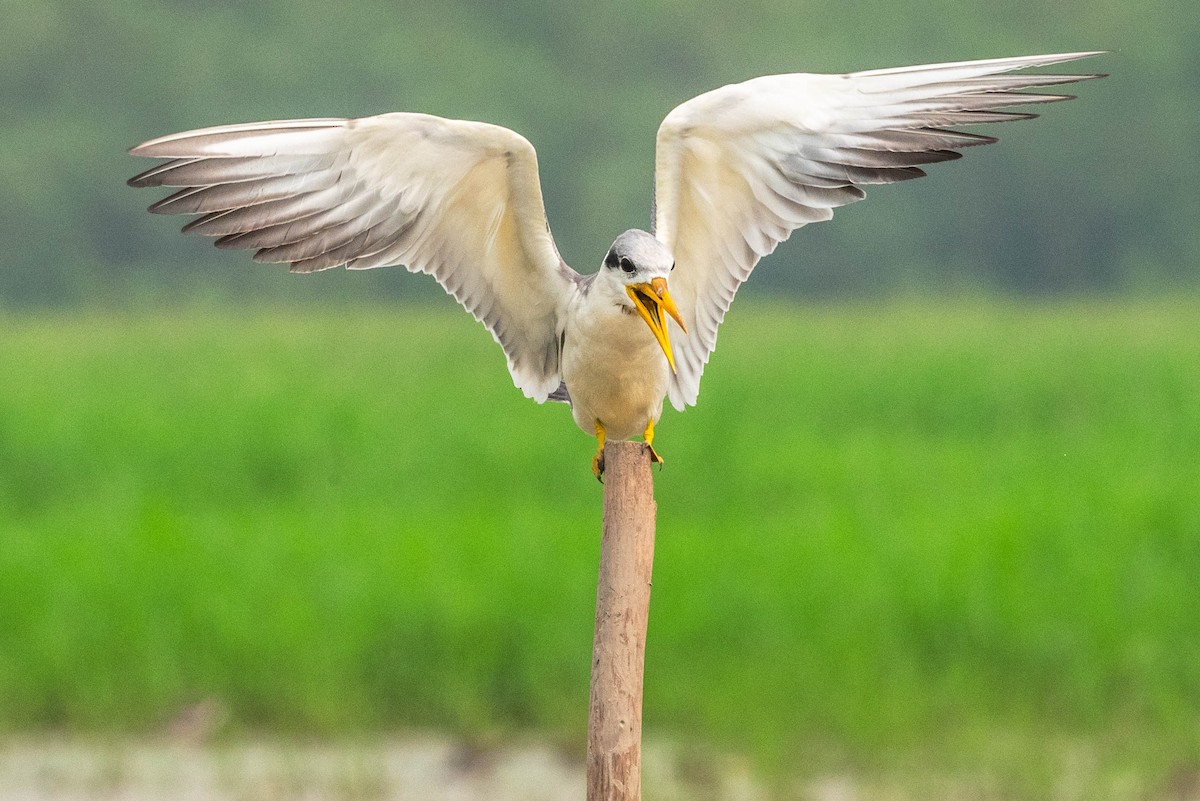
(614, 369)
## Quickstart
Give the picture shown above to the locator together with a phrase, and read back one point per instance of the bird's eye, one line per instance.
(672, 266)
(627, 266)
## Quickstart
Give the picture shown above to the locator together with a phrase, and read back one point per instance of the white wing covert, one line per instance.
(458, 200)
(739, 168)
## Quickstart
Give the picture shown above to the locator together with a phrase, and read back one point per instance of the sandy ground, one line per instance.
(410, 769)
(432, 768)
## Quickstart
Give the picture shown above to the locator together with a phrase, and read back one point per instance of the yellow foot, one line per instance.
(598, 459)
(648, 435)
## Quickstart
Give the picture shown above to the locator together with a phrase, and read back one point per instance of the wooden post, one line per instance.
(614, 745)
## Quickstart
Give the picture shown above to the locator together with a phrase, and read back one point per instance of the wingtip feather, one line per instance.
(984, 65)
(202, 140)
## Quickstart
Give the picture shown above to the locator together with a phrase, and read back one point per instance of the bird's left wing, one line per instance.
(458, 200)
(739, 168)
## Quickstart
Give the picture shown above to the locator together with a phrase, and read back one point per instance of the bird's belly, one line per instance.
(619, 378)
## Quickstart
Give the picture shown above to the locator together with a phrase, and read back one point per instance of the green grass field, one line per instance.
(913, 528)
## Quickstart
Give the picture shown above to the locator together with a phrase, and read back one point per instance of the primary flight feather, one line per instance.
(737, 170)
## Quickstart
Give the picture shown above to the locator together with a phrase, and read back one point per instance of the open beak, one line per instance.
(651, 300)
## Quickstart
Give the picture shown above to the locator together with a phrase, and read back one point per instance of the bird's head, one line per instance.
(635, 273)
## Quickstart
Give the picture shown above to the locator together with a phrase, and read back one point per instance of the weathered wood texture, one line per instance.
(614, 750)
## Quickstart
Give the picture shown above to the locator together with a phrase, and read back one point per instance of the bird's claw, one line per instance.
(654, 457)
(598, 459)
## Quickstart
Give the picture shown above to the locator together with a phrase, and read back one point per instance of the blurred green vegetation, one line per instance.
(934, 527)
(964, 528)
(1098, 196)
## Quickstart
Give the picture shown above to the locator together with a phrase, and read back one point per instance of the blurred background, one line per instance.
(948, 550)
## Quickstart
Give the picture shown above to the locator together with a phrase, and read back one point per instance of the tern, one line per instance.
(737, 169)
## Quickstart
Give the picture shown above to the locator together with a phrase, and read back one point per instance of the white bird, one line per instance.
(737, 170)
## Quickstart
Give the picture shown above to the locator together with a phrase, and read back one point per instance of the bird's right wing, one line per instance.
(458, 200)
(739, 168)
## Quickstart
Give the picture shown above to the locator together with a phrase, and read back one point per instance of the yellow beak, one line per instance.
(651, 300)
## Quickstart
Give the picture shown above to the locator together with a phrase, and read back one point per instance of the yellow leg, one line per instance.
(648, 435)
(598, 459)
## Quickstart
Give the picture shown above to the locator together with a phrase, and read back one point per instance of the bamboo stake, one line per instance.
(614, 749)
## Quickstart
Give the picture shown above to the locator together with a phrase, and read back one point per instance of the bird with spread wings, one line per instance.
(737, 170)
